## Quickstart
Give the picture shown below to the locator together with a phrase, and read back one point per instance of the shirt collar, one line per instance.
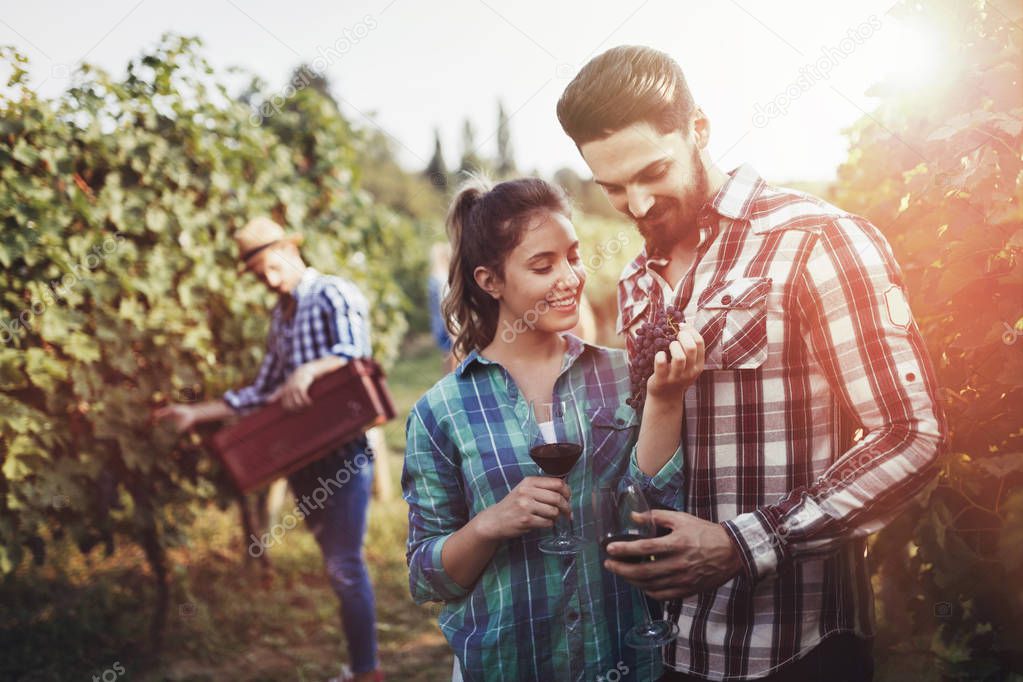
(734, 200)
(287, 303)
(308, 277)
(576, 347)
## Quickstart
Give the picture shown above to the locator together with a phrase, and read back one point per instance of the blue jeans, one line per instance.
(338, 522)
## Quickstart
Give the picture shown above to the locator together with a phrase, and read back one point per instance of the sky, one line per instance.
(778, 80)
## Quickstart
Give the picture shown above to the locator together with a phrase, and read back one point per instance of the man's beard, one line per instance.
(671, 219)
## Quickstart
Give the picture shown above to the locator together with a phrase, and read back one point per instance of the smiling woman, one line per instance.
(477, 502)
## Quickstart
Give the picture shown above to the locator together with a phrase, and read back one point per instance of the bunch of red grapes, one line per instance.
(652, 336)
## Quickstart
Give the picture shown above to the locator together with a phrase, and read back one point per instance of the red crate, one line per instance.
(272, 442)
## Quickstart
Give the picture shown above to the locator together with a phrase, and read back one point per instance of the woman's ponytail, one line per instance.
(463, 307)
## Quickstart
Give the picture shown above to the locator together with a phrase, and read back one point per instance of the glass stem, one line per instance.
(563, 524)
(648, 620)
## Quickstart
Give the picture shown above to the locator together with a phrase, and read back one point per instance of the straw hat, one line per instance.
(259, 234)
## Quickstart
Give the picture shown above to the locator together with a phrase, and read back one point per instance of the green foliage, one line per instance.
(939, 171)
(120, 286)
(607, 246)
(415, 197)
(587, 195)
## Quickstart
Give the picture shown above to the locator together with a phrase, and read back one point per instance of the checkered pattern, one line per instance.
(790, 295)
(530, 616)
(331, 318)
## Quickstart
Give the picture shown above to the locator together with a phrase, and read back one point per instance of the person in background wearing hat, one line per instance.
(319, 323)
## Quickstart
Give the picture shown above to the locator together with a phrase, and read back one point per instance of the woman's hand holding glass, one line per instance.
(534, 503)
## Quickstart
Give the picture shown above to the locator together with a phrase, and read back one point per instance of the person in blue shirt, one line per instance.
(436, 288)
(319, 323)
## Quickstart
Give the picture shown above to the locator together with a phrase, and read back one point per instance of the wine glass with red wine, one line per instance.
(554, 431)
(623, 515)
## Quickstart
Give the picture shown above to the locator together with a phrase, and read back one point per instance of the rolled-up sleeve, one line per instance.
(663, 489)
(431, 485)
(344, 321)
(859, 330)
(259, 391)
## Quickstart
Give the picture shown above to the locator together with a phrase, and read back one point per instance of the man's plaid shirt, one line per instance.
(808, 335)
(331, 317)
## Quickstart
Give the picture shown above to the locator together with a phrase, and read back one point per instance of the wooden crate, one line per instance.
(272, 442)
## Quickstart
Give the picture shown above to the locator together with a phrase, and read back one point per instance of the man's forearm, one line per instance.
(858, 495)
(212, 411)
(325, 365)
